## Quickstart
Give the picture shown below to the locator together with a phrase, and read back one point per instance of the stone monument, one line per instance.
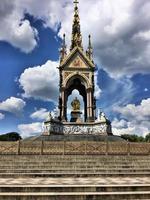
(76, 71)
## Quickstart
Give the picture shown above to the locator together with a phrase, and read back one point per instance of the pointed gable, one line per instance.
(77, 60)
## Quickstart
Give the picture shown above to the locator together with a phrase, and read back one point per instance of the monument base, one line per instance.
(76, 116)
(54, 127)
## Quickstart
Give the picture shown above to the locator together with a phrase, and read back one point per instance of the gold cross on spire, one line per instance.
(76, 2)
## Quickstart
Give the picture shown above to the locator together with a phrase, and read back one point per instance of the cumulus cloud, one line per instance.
(28, 130)
(120, 29)
(14, 28)
(41, 82)
(13, 105)
(140, 112)
(116, 93)
(2, 116)
(41, 114)
(135, 119)
(97, 88)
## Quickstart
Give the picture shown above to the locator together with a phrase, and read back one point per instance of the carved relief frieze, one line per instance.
(96, 129)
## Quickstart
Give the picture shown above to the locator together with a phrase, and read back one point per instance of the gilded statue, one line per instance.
(75, 104)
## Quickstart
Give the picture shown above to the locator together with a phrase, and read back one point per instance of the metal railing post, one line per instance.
(42, 144)
(63, 147)
(128, 148)
(85, 147)
(107, 147)
(18, 147)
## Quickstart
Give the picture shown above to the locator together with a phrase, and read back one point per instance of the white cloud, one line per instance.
(135, 120)
(41, 114)
(2, 116)
(120, 29)
(28, 130)
(13, 105)
(140, 129)
(16, 30)
(97, 88)
(41, 82)
(115, 26)
(120, 32)
(139, 112)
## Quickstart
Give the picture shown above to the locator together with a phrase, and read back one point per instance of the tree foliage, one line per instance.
(13, 136)
(147, 137)
(136, 138)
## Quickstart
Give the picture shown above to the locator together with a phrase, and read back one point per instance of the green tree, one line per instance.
(147, 137)
(133, 138)
(13, 136)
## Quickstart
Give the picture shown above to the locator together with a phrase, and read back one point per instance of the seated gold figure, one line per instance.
(75, 104)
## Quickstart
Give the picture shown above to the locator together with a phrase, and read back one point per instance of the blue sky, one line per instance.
(30, 39)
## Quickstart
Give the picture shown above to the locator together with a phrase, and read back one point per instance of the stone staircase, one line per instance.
(58, 165)
(74, 177)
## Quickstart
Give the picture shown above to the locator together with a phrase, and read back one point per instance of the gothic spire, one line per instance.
(89, 51)
(76, 33)
(63, 50)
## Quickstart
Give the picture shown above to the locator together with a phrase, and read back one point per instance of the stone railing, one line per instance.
(73, 148)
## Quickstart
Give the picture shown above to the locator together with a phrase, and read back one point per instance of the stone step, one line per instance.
(76, 164)
(134, 195)
(74, 188)
(69, 167)
(73, 174)
(75, 170)
(73, 163)
(108, 157)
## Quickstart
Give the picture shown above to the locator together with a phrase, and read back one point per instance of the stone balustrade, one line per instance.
(73, 148)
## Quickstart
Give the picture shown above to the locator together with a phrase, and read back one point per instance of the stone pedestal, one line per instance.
(76, 116)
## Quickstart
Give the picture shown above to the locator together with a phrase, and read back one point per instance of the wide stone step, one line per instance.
(88, 167)
(74, 188)
(73, 174)
(75, 170)
(73, 163)
(78, 157)
(134, 195)
(23, 157)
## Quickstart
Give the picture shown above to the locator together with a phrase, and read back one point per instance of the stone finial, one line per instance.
(63, 50)
(89, 51)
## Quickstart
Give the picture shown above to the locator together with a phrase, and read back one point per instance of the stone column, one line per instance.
(88, 106)
(90, 94)
(63, 105)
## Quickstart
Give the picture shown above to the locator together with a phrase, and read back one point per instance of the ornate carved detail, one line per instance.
(87, 75)
(95, 129)
(66, 74)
